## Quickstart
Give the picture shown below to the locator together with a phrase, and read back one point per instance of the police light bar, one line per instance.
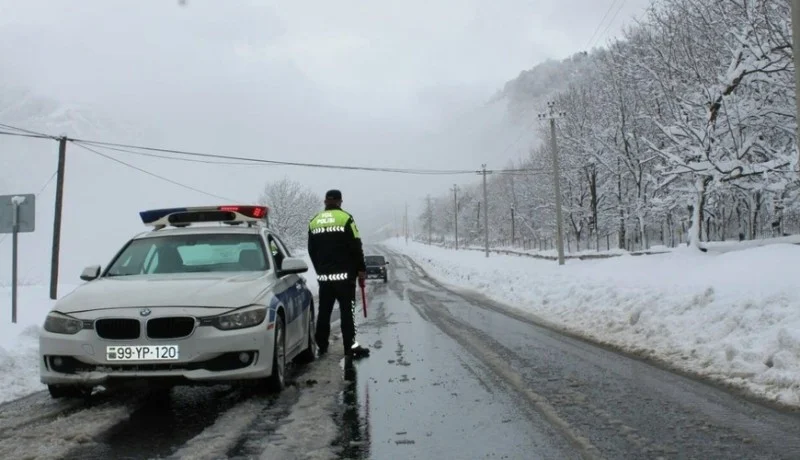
(181, 217)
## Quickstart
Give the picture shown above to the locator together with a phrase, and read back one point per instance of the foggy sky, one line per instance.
(396, 84)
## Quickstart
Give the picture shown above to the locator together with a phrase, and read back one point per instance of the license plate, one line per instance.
(142, 353)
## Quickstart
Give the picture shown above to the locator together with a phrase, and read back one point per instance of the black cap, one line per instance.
(333, 195)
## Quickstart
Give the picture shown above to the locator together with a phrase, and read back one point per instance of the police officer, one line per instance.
(334, 246)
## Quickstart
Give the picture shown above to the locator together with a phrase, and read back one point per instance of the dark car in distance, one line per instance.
(376, 267)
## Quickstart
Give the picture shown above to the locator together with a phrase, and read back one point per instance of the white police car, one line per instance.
(184, 304)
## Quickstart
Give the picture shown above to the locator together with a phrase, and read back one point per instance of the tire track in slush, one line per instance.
(39, 407)
(162, 424)
(43, 438)
(293, 423)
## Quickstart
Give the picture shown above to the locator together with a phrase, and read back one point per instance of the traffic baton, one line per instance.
(364, 299)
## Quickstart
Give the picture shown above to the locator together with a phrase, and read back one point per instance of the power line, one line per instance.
(27, 131)
(248, 161)
(276, 162)
(241, 160)
(591, 40)
(191, 160)
(35, 136)
(521, 135)
(611, 23)
(157, 176)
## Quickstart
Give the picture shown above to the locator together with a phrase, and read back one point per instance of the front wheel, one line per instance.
(277, 380)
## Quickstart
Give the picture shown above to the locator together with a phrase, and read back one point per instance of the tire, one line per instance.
(277, 379)
(385, 278)
(68, 391)
(310, 353)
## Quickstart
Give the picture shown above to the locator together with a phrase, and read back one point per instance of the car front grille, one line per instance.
(118, 328)
(172, 327)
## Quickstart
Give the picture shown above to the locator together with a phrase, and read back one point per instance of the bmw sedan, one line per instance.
(184, 303)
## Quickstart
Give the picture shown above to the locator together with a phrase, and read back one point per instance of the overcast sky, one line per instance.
(345, 82)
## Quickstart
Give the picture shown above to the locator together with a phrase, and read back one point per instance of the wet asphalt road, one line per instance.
(453, 375)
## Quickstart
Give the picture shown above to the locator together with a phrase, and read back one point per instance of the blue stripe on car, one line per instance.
(294, 301)
(273, 308)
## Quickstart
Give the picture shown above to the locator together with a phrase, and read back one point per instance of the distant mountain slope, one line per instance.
(92, 186)
(528, 93)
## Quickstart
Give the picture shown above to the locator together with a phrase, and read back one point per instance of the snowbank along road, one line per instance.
(451, 375)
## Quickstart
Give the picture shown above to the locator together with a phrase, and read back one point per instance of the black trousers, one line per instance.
(330, 292)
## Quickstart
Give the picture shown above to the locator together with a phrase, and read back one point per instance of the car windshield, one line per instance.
(375, 260)
(191, 254)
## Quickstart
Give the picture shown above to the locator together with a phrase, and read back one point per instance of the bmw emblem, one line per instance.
(145, 312)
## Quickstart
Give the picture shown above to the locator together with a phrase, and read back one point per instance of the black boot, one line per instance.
(357, 352)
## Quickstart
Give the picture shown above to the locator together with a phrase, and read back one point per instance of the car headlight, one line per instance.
(58, 323)
(241, 319)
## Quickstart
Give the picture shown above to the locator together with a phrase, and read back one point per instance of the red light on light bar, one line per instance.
(255, 212)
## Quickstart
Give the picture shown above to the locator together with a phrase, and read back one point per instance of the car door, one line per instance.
(289, 290)
(304, 295)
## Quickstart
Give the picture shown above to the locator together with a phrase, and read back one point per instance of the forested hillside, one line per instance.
(690, 118)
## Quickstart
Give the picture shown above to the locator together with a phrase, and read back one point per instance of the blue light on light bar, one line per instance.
(155, 214)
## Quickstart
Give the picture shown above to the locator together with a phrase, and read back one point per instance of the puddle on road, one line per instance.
(353, 419)
(251, 443)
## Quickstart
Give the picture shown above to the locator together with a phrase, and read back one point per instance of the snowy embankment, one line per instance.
(19, 343)
(711, 247)
(733, 317)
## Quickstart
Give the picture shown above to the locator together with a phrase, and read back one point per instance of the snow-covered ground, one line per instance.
(731, 316)
(19, 343)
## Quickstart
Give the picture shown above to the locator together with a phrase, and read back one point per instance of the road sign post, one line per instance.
(17, 215)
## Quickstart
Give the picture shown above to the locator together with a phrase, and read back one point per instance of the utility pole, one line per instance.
(484, 172)
(430, 221)
(405, 223)
(62, 157)
(796, 52)
(513, 239)
(478, 219)
(15, 204)
(552, 115)
(455, 211)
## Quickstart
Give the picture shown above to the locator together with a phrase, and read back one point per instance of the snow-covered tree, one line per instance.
(291, 207)
(685, 129)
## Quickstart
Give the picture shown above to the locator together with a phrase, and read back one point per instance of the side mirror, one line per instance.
(90, 273)
(292, 265)
(387, 262)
